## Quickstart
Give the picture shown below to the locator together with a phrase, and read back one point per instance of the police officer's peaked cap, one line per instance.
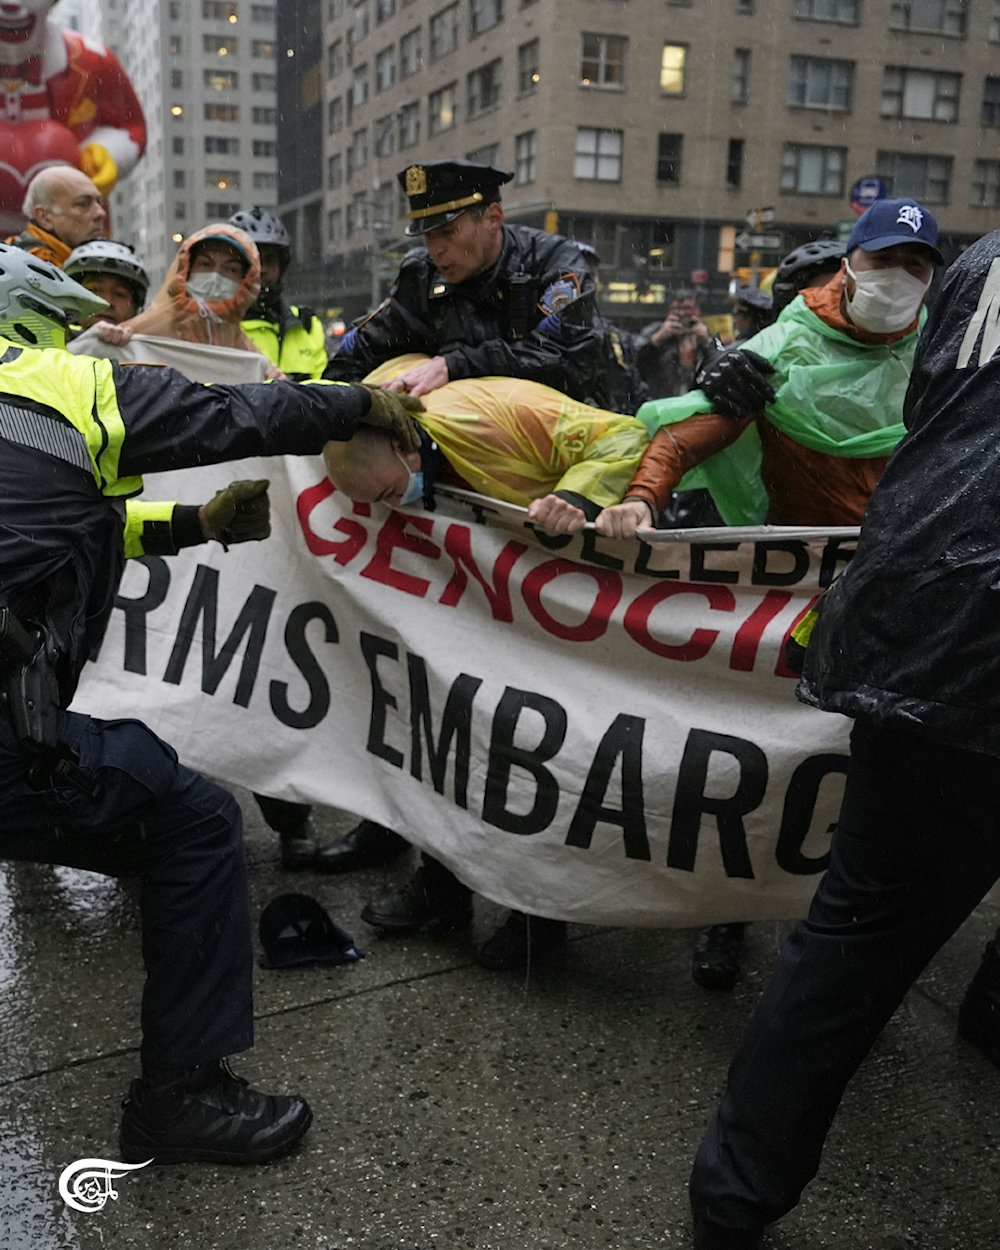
(440, 191)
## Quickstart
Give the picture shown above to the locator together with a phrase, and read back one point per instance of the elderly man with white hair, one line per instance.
(64, 209)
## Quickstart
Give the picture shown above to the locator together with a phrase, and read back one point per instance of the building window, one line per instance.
(745, 7)
(221, 210)
(335, 225)
(335, 172)
(410, 59)
(734, 163)
(602, 61)
(359, 24)
(985, 184)
(265, 181)
(212, 10)
(527, 68)
(223, 179)
(409, 125)
(739, 76)
(357, 214)
(180, 178)
(668, 159)
(921, 94)
(178, 146)
(598, 154)
(221, 146)
(357, 153)
(484, 15)
(335, 59)
(176, 78)
(993, 34)
(944, 17)
(818, 83)
(222, 80)
(359, 85)
(220, 45)
(385, 69)
(828, 10)
(444, 32)
(382, 208)
(222, 112)
(924, 178)
(265, 147)
(385, 135)
(384, 9)
(442, 109)
(265, 82)
(180, 210)
(486, 155)
(335, 115)
(263, 13)
(263, 49)
(672, 65)
(175, 44)
(484, 88)
(991, 102)
(175, 10)
(526, 157)
(808, 169)
(265, 117)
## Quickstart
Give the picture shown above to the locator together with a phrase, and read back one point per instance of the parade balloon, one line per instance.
(27, 148)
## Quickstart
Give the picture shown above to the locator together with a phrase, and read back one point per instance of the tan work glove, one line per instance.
(392, 411)
(241, 513)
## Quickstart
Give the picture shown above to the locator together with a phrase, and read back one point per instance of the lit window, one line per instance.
(672, 65)
(598, 154)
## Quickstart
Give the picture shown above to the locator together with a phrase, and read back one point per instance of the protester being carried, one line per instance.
(839, 357)
(522, 443)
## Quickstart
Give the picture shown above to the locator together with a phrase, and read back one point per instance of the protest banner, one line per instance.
(602, 732)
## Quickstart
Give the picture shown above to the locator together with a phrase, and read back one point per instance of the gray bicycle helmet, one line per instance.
(38, 301)
(107, 256)
(263, 227)
(802, 264)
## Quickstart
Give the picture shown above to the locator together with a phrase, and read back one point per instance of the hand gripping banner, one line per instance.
(602, 732)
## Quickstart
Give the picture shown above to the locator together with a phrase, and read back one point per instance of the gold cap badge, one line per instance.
(416, 180)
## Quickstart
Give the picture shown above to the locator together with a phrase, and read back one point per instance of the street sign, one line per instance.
(747, 242)
(844, 230)
(865, 192)
(699, 277)
(757, 217)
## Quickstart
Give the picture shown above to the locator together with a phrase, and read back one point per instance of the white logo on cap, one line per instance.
(910, 215)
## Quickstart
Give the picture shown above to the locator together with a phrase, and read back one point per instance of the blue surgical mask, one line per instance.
(415, 485)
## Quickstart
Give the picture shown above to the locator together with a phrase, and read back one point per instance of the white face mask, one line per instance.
(211, 287)
(885, 300)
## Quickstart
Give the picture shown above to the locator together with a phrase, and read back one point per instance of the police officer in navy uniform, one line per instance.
(480, 297)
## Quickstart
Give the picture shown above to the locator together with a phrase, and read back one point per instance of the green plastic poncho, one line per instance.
(832, 393)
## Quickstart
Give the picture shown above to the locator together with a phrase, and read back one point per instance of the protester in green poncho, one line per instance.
(841, 355)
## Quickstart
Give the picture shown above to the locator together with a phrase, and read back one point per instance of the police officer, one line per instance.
(109, 796)
(481, 298)
(290, 337)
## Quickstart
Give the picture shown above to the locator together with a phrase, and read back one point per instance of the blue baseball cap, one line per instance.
(889, 222)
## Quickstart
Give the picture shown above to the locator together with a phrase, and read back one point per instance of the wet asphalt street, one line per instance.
(457, 1107)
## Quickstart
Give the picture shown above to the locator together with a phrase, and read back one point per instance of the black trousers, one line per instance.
(916, 848)
(183, 837)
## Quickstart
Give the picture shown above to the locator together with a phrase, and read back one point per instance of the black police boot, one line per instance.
(368, 845)
(208, 1114)
(709, 1236)
(298, 847)
(979, 1015)
(521, 941)
(715, 962)
(432, 901)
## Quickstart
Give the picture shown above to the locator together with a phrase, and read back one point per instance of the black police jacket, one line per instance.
(76, 433)
(910, 633)
(530, 316)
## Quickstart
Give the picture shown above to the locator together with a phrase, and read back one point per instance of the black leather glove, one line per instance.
(240, 513)
(392, 411)
(737, 384)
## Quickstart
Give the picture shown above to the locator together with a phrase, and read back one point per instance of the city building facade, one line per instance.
(653, 130)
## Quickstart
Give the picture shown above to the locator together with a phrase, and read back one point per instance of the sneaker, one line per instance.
(432, 901)
(979, 1014)
(715, 962)
(208, 1114)
(521, 941)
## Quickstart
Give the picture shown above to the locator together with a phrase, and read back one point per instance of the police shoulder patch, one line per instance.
(563, 291)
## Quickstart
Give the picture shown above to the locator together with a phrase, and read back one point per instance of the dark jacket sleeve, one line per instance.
(393, 329)
(565, 350)
(171, 423)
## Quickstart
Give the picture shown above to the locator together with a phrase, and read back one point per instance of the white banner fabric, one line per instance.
(599, 732)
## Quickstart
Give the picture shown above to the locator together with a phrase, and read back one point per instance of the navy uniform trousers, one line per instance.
(916, 848)
(183, 837)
